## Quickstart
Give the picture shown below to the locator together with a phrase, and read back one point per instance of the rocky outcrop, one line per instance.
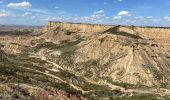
(78, 27)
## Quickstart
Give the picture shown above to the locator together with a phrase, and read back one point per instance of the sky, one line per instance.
(111, 12)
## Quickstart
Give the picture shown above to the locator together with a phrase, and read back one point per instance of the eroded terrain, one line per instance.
(82, 61)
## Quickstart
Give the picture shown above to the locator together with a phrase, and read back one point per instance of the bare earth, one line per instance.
(69, 61)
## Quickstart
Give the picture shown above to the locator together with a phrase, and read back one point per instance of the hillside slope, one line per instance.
(88, 61)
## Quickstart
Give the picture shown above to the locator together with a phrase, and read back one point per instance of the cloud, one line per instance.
(107, 17)
(120, 0)
(33, 17)
(26, 14)
(4, 14)
(117, 17)
(149, 17)
(105, 3)
(139, 18)
(99, 12)
(97, 15)
(131, 21)
(47, 11)
(167, 18)
(156, 20)
(56, 7)
(60, 18)
(123, 13)
(52, 18)
(23, 5)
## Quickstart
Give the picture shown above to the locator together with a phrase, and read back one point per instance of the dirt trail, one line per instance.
(55, 77)
(42, 57)
(140, 91)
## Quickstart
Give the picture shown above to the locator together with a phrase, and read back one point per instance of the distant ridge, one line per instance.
(110, 25)
(80, 23)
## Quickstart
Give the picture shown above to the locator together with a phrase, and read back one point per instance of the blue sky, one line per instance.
(114, 12)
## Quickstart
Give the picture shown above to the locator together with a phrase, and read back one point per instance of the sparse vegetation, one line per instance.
(36, 63)
(67, 88)
(137, 97)
(124, 85)
(65, 46)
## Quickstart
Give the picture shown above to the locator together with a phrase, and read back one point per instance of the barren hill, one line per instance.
(88, 61)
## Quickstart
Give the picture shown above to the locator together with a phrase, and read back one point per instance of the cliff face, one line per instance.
(84, 28)
(90, 59)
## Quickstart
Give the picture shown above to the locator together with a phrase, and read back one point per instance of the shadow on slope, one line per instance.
(115, 31)
(15, 32)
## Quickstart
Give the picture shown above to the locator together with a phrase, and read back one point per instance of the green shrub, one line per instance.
(66, 87)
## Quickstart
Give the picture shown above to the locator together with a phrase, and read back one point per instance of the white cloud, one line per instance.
(56, 7)
(167, 18)
(33, 17)
(139, 18)
(131, 21)
(149, 17)
(97, 15)
(23, 5)
(99, 12)
(156, 20)
(61, 18)
(145, 21)
(123, 13)
(26, 14)
(52, 18)
(5, 14)
(107, 17)
(47, 12)
(143, 18)
(105, 3)
(120, 0)
(117, 17)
